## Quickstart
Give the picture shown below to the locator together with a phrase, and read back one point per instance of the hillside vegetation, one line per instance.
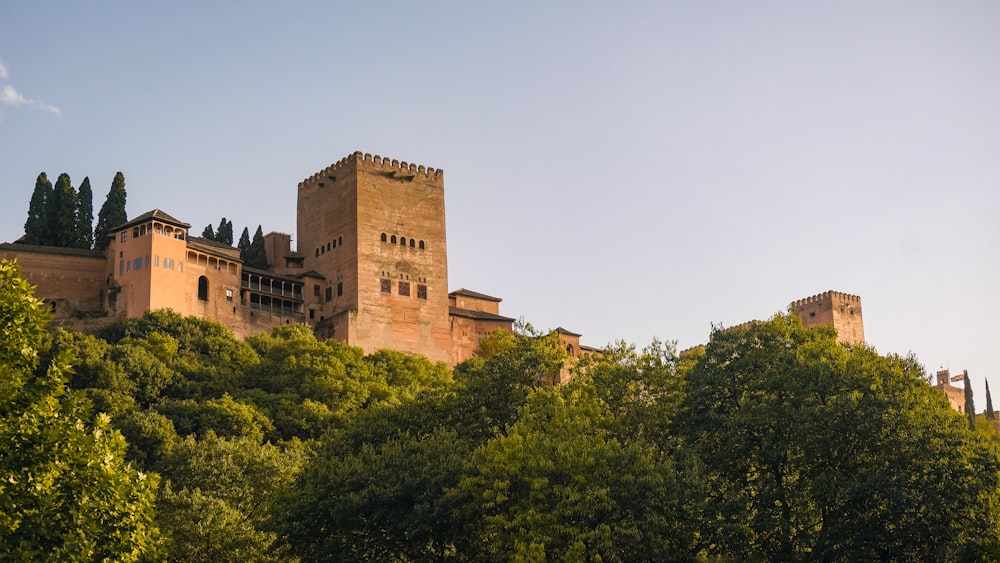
(165, 438)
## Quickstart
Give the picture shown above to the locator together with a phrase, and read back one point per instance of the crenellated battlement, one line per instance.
(827, 296)
(380, 163)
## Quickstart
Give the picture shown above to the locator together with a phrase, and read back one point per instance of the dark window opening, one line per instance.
(392, 239)
(812, 314)
(402, 241)
(421, 291)
(315, 290)
(203, 288)
(411, 243)
(386, 286)
(340, 289)
(384, 237)
(340, 240)
(421, 245)
(404, 288)
(329, 293)
(317, 252)
(312, 314)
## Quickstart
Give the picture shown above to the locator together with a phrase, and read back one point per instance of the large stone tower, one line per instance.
(832, 308)
(374, 230)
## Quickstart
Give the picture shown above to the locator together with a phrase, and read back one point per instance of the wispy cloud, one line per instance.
(11, 97)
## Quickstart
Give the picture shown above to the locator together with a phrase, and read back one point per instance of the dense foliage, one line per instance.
(112, 212)
(60, 215)
(770, 443)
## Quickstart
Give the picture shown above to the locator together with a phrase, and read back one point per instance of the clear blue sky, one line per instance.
(625, 170)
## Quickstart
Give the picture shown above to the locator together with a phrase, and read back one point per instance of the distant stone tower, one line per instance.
(832, 308)
(373, 229)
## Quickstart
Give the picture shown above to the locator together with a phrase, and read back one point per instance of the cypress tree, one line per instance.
(112, 213)
(85, 215)
(256, 254)
(224, 233)
(970, 406)
(62, 213)
(244, 243)
(36, 228)
(990, 415)
(208, 233)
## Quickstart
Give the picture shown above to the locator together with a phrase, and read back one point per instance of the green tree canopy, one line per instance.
(256, 255)
(208, 233)
(112, 213)
(63, 223)
(85, 216)
(224, 233)
(244, 243)
(817, 450)
(36, 228)
(67, 493)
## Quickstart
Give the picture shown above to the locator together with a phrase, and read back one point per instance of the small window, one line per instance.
(229, 294)
(411, 243)
(421, 291)
(156, 261)
(386, 286)
(312, 314)
(137, 264)
(328, 247)
(317, 252)
(402, 241)
(322, 250)
(315, 290)
(329, 293)
(135, 232)
(121, 267)
(124, 236)
(335, 244)
(340, 289)
(340, 240)
(421, 245)
(404, 288)
(812, 314)
(384, 237)
(202, 288)
(145, 263)
(392, 239)
(180, 266)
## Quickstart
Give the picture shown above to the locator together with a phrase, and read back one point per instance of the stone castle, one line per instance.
(370, 269)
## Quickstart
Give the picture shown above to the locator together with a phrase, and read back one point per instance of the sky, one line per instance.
(627, 170)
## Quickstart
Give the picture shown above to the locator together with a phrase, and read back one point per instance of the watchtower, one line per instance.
(832, 308)
(373, 229)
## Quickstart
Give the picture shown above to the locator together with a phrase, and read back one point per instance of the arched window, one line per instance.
(411, 243)
(402, 241)
(421, 245)
(393, 239)
(384, 238)
(203, 288)
(317, 252)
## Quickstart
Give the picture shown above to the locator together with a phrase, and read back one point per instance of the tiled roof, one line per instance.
(466, 293)
(562, 330)
(478, 315)
(156, 214)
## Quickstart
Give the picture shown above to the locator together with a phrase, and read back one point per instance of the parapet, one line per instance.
(827, 296)
(358, 160)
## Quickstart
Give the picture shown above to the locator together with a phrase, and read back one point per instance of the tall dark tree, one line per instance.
(224, 233)
(208, 233)
(62, 213)
(990, 414)
(36, 228)
(244, 243)
(85, 215)
(256, 255)
(970, 405)
(112, 213)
